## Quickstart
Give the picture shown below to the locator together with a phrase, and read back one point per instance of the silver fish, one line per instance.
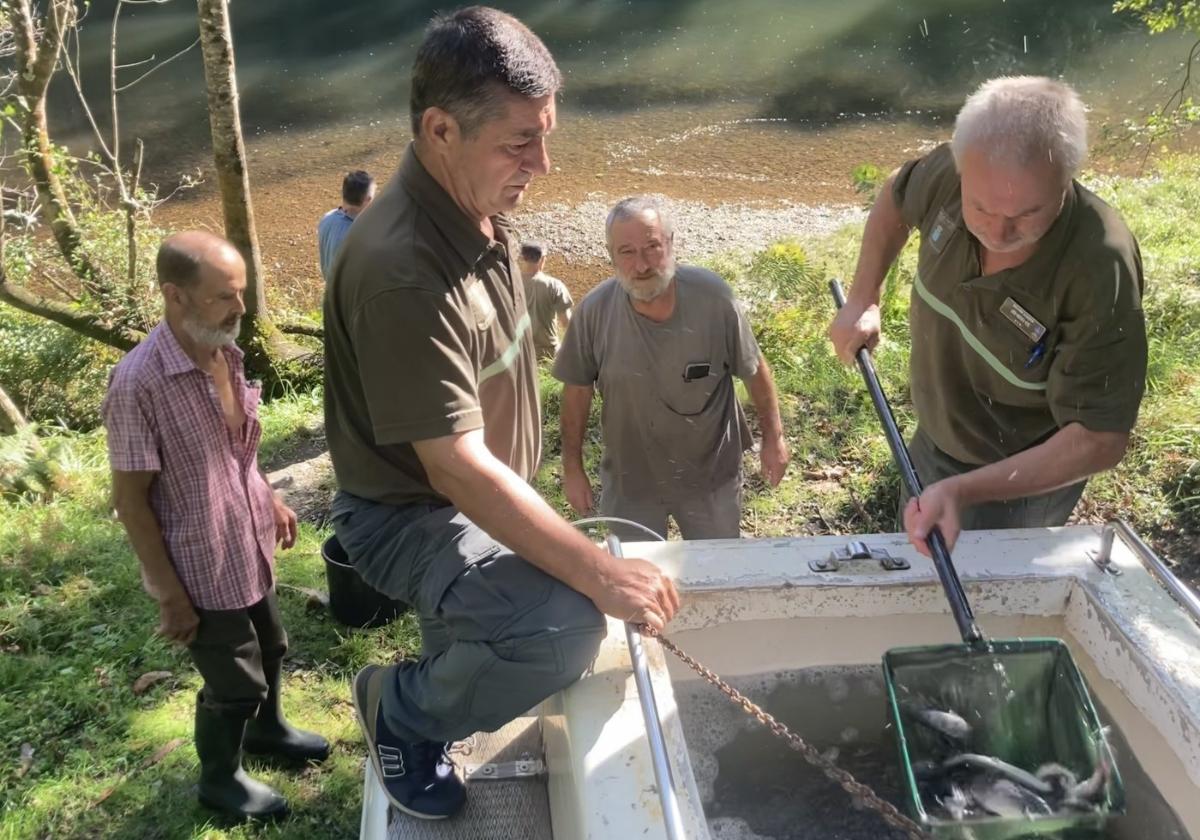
(1060, 778)
(1000, 768)
(955, 802)
(1091, 791)
(1005, 798)
(946, 723)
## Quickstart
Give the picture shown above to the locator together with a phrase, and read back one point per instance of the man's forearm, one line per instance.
(883, 239)
(576, 405)
(145, 535)
(1072, 454)
(512, 513)
(765, 399)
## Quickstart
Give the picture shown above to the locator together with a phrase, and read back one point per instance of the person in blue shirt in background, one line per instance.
(358, 190)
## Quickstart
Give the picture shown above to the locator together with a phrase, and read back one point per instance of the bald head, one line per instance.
(182, 256)
(203, 279)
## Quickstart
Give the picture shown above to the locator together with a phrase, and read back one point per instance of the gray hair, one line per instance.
(470, 59)
(635, 207)
(1019, 119)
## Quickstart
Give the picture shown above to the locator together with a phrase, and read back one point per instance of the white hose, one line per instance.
(589, 520)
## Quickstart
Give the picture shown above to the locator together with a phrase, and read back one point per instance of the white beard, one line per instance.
(207, 336)
(643, 290)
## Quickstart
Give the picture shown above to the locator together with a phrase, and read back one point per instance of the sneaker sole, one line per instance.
(374, 755)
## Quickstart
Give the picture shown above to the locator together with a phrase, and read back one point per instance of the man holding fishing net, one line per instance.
(1029, 345)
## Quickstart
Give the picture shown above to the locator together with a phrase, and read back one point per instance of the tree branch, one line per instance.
(1177, 99)
(158, 66)
(122, 338)
(301, 329)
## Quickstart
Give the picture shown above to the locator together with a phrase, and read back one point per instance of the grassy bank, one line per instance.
(75, 629)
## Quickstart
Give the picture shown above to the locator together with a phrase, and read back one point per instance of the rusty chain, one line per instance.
(888, 812)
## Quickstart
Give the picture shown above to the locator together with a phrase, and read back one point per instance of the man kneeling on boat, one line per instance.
(1029, 345)
(431, 411)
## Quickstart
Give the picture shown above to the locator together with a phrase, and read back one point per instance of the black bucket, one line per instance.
(353, 601)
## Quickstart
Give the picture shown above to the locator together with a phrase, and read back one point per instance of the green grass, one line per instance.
(76, 630)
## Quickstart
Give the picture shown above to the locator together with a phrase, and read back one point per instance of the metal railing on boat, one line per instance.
(663, 776)
(1154, 564)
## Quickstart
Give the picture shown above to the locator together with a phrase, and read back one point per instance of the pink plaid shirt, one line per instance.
(215, 508)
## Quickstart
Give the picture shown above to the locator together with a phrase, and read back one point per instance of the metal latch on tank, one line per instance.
(520, 769)
(857, 550)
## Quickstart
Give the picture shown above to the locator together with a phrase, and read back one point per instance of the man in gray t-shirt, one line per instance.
(663, 344)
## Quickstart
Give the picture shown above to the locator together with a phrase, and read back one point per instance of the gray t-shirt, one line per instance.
(665, 434)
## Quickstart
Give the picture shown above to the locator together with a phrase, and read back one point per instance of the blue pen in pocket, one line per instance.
(1035, 355)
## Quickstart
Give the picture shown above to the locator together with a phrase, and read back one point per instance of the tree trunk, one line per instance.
(260, 339)
(37, 62)
(11, 418)
(229, 151)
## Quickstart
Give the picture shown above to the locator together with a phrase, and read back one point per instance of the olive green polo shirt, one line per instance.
(426, 335)
(548, 298)
(1000, 362)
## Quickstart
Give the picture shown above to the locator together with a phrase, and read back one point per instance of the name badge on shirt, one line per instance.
(1022, 320)
(941, 232)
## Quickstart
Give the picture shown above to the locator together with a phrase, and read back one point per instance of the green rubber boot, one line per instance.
(269, 734)
(224, 785)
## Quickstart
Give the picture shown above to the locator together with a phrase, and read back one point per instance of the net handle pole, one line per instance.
(955, 594)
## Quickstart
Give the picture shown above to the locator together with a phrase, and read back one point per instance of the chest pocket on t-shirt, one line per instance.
(688, 395)
(940, 233)
(1008, 352)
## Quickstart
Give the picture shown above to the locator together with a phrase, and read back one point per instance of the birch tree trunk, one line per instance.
(11, 418)
(36, 62)
(229, 150)
(264, 345)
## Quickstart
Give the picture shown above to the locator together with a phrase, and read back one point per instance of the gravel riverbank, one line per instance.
(575, 232)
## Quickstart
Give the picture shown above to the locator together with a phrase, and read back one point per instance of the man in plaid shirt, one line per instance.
(183, 438)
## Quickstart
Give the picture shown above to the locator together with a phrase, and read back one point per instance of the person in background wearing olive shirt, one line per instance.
(549, 301)
(1029, 345)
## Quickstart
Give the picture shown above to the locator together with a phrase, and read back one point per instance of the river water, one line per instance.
(758, 102)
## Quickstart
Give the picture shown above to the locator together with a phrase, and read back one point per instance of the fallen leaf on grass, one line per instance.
(159, 754)
(26, 760)
(825, 473)
(148, 680)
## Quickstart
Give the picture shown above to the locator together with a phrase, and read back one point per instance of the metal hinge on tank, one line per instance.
(857, 550)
